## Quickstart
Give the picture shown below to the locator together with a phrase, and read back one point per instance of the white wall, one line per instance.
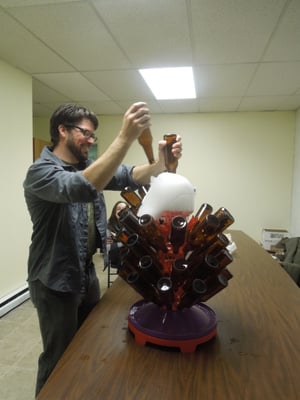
(295, 212)
(242, 161)
(15, 157)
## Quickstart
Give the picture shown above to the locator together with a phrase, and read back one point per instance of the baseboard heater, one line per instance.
(13, 300)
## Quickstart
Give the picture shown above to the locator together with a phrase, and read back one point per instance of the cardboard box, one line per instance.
(270, 237)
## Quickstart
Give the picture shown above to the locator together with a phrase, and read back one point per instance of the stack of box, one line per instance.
(270, 237)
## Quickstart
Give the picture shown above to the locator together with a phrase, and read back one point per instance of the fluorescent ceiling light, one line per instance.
(170, 83)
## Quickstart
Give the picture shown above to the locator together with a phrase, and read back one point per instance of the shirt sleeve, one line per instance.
(122, 179)
(54, 183)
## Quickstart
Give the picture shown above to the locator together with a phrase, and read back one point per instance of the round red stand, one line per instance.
(184, 329)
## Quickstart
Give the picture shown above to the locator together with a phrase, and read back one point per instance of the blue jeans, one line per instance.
(60, 316)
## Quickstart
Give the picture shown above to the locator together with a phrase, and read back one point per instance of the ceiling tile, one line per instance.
(104, 107)
(275, 79)
(289, 102)
(72, 85)
(80, 37)
(21, 3)
(153, 105)
(219, 104)
(40, 92)
(269, 103)
(179, 106)
(121, 84)
(152, 33)
(285, 44)
(224, 79)
(232, 31)
(245, 54)
(37, 57)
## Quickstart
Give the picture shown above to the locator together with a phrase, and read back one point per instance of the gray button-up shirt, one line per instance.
(57, 195)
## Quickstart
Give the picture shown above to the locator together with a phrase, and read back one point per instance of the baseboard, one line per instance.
(13, 300)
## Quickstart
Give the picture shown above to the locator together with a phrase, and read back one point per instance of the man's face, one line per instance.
(78, 141)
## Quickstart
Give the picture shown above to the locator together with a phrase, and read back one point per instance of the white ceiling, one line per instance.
(245, 53)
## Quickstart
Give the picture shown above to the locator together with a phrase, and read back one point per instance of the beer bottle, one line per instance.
(145, 140)
(127, 259)
(170, 161)
(201, 269)
(179, 273)
(138, 247)
(220, 243)
(203, 232)
(178, 232)
(129, 219)
(224, 217)
(128, 265)
(132, 198)
(150, 232)
(192, 296)
(224, 258)
(215, 284)
(165, 291)
(147, 291)
(142, 190)
(122, 236)
(226, 274)
(204, 210)
(150, 269)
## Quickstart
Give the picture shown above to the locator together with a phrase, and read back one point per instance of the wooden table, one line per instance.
(255, 356)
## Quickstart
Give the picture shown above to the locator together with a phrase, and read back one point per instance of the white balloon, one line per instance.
(168, 192)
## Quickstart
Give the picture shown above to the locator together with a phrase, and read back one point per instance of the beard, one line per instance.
(77, 150)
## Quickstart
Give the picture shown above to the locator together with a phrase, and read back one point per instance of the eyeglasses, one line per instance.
(86, 133)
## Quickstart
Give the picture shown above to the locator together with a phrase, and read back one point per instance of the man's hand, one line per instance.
(176, 149)
(135, 121)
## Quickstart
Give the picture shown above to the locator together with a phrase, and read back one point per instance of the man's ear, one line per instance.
(62, 131)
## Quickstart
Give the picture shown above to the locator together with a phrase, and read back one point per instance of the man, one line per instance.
(63, 195)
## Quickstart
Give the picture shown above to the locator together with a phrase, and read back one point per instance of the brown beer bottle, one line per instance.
(203, 232)
(211, 265)
(122, 236)
(147, 291)
(220, 243)
(224, 258)
(165, 291)
(129, 219)
(204, 210)
(224, 217)
(170, 161)
(215, 284)
(193, 295)
(178, 232)
(149, 269)
(142, 190)
(202, 268)
(138, 247)
(150, 232)
(179, 273)
(132, 198)
(145, 140)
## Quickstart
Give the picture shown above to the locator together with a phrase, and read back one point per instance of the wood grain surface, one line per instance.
(255, 355)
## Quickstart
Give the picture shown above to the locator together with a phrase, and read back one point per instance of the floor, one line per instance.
(20, 346)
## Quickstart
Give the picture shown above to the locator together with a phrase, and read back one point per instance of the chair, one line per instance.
(111, 272)
(288, 255)
(114, 263)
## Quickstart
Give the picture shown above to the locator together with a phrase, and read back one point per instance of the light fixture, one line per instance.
(170, 83)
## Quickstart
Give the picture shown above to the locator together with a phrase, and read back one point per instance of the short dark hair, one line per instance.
(69, 114)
